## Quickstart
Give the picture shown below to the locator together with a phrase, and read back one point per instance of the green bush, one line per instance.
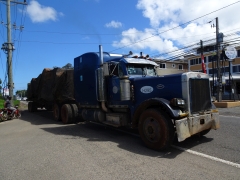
(1, 103)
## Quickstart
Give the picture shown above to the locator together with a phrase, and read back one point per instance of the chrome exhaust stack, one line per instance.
(101, 87)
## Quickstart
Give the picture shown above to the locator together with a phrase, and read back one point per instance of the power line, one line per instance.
(176, 26)
(58, 42)
(20, 36)
(74, 33)
(194, 44)
(49, 42)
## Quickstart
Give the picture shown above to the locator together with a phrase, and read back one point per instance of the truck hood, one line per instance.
(147, 87)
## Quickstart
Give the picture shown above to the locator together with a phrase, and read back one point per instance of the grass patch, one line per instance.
(16, 102)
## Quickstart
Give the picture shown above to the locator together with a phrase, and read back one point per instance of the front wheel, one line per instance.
(56, 112)
(18, 114)
(4, 117)
(32, 107)
(156, 129)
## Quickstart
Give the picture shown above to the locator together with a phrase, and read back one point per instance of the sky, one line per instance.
(52, 33)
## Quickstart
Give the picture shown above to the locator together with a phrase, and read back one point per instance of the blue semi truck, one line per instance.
(119, 90)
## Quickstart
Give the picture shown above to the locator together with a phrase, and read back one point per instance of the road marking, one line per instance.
(186, 150)
(207, 156)
(230, 116)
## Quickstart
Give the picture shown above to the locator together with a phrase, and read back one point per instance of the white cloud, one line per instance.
(40, 13)
(114, 24)
(165, 16)
(140, 40)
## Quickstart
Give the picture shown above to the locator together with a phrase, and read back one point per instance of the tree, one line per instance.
(68, 66)
(21, 93)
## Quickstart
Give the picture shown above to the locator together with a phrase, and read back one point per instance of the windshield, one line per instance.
(141, 69)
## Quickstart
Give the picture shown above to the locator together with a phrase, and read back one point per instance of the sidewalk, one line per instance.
(227, 104)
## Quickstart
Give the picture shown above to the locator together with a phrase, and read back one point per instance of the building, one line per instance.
(171, 67)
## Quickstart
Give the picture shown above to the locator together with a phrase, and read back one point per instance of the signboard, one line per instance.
(230, 52)
(6, 92)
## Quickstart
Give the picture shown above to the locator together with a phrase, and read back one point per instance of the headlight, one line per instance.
(177, 102)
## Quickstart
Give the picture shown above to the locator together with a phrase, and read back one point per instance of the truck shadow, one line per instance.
(127, 140)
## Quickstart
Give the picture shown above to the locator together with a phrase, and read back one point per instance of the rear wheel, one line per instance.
(30, 107)
(56, 112)
(66, 114)
(155, 129)
(18, 114)
(74, 112)
(48, 107)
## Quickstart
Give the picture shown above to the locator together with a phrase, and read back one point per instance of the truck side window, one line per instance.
(114, 69)
(122, 69)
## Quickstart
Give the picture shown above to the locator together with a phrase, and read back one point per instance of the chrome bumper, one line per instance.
(192, 125)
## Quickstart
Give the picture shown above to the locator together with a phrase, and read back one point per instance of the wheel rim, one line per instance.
(151, 129)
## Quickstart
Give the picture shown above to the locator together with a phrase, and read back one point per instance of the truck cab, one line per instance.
(123, 91)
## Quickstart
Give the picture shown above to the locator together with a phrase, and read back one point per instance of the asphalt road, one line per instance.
(37, 147)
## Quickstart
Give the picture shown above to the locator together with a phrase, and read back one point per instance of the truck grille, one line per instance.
(200, 99)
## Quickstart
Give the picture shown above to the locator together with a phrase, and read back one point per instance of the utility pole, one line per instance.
(8, 47)
(219, 78)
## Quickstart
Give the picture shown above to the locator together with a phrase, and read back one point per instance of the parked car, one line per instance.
(24, 98)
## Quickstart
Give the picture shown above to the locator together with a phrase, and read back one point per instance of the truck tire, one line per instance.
(48, 107)
(29, 106)
(66, 114)
(56, 112)
(155, 129)
(74, 112)
(32, 107)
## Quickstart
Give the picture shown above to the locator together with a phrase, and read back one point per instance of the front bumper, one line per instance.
(192, 125)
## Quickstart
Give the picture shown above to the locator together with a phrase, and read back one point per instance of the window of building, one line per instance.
(180, 67)
(197, 61)
(162, 66)
(221, 56)
(210, 71)
(223, 70)
(192, 62)
(236, 69)
(173, 65)
(212, 58)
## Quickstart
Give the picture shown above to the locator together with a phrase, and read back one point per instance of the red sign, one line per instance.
(203, 65)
